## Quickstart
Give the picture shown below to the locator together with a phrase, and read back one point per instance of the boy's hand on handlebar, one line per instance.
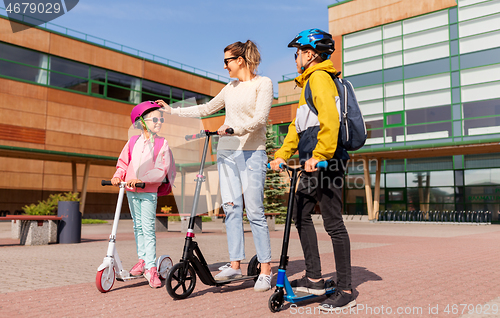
(275, 164)
(116, 181)
(310, 165)
(222, 130)
(167, 109)
(131, 183)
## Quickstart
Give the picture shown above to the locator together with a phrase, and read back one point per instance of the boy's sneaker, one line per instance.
(228, 273)
(308, 286)
(138, 268)
(152, 276)
(338, 301)
(263, 283)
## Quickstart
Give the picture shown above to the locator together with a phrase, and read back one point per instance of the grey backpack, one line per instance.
(352, 124)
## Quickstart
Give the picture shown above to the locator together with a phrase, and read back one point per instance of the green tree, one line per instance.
(274, 187)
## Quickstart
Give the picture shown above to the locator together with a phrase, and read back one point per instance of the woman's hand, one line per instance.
(310, 165)
(116, 181)
(167, 109)
(132, 183)
(222, 130)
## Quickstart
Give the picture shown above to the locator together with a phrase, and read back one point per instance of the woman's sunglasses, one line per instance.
(227, 60)
(156, 119)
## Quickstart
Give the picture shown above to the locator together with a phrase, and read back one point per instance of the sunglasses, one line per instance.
(226, 61)
(156, 119)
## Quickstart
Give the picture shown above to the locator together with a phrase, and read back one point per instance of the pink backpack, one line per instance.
(166, 186)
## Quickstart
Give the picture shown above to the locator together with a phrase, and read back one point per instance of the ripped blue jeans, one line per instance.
(242, 173)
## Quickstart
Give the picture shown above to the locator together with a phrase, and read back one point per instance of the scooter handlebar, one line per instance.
(137, 185)
(321, 164)
(204, 133)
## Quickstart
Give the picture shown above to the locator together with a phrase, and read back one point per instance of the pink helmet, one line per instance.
(141, 109)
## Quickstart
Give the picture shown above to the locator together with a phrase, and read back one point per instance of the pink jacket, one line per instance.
(142, 167)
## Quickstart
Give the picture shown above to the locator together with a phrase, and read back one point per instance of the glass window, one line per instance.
(281, 132)
(482, 177)
(432, 195)
(395, 195)
(426, 115)
(75, 77)
(202, 99)
(395, 180)
(120, 79)
(119, 93)
(395, 119)
(394, 134)
(429, 131)
(482, 194)
(431, 179)
(97, 74)
(426, 164)
(19, 71)
(482, 108)
(482, 126)
(69, 82)
(177, 94)
(21, 55)
(374, 121)
(154, 91)
(69, 67)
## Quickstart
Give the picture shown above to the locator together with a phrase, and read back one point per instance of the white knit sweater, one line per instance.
(247, 109)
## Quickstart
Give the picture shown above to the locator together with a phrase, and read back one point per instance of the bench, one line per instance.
(162, 222)
(33, 229)
(270, 218)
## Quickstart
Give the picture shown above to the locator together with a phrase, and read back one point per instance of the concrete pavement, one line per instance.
(399, 270)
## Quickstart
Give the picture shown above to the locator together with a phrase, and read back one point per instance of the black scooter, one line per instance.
(284, 290)
(181, 279)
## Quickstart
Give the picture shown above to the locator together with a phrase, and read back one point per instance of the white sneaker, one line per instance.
(228, 273)
(263, 283)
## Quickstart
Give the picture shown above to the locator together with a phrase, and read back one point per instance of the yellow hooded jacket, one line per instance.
(324, 127)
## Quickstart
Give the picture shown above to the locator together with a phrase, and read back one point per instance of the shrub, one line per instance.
(49, 206)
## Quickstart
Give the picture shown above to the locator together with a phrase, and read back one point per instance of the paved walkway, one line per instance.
(399, 270)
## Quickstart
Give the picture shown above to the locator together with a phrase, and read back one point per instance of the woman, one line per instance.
(241, 157)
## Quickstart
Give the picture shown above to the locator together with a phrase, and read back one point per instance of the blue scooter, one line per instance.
(284, 290)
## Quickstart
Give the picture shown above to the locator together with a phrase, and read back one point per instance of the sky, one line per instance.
(196, 32)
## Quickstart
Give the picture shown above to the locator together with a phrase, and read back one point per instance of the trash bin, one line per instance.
(70, 227)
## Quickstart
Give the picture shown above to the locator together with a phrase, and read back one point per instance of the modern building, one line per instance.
(65, 103)
(426, 75)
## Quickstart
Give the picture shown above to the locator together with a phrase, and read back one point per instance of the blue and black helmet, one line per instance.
(316, 39)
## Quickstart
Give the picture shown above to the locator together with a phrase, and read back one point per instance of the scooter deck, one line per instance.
(124, 279)
(228, 281)
(301, 296)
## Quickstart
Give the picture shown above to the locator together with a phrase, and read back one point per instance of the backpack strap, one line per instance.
(131, 145)
(308, 94)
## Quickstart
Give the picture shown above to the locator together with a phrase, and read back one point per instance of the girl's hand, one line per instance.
(167, 109)
(222, 130)
(116, 181)
(131, 183)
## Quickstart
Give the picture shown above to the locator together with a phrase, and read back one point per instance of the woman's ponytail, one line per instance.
(248, 51)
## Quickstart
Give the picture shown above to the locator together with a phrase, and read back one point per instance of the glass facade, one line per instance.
(45, 69)
(423, 81)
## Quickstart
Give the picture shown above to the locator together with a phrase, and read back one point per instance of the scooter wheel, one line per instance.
(177, 278)
(276, 301)
(104, 279)
(253, 267)
(164, 266)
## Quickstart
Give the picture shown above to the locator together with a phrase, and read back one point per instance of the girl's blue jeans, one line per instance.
(143, 209)
(242, 173)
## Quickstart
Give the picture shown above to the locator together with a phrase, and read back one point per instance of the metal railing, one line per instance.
(290, 76)
(115, 46)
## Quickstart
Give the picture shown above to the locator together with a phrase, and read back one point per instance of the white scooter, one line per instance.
(111, 266)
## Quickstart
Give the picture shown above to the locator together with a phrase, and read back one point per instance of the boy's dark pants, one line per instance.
(325, 187)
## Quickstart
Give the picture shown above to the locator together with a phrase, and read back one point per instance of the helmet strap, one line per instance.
(303, 67)
(146, 129)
